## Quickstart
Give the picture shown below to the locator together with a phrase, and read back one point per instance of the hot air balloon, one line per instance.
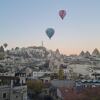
(50, 32)
(62, 14)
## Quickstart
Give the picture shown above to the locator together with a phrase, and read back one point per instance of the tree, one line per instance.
(61, 74)
(35, 86)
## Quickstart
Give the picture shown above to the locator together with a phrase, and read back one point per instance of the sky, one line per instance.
(23, 23)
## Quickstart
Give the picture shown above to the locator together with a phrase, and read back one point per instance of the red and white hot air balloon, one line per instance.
(62, 14)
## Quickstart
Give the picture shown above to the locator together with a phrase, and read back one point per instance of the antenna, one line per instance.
(42, 43)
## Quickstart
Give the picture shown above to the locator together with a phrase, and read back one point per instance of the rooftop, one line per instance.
(62, 83)
(9, 77)
(86, 94)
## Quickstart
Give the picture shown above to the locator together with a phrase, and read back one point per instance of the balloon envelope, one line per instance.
(62, 14)
(50, 32)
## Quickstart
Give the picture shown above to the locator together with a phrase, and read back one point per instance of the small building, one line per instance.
(46, 78)
(37, 74)
(13, 87)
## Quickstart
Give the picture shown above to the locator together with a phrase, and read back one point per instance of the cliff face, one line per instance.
(96, 53)
(82, 53)
(85, 54)
(35, 57)
(41, 58)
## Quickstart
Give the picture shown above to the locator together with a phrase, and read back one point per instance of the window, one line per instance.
(16, 96)
(4, 95)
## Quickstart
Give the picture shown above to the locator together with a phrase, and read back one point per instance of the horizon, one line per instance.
(7, 48)
(23, 23)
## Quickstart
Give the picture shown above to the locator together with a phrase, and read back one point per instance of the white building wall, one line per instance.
(97, 71)
(7, 74)
(19, 93)
(4, 89)
(37, 74)
(80, 68)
